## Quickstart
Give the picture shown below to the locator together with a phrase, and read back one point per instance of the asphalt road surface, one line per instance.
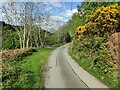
(60, 74)
(63, 72)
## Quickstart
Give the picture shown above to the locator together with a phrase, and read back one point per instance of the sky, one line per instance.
(60, 11)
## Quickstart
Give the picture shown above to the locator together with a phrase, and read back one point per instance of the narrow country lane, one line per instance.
(60, 74)
(63, 72)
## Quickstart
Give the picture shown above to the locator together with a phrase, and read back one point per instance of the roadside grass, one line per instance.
(111, 81)
(30, 69)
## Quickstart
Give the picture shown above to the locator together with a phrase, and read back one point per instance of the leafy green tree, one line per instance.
(9, 38)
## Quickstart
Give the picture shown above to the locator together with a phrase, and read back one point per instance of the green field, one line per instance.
(30, 69)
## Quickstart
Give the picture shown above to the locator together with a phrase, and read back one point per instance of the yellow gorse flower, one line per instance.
(105, 17)
(79, 31)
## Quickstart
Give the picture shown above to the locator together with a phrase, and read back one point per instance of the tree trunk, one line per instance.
(27, 43)
(28, 38)
(24, 34)
(41, 41)
(20, 42)
(20, 38)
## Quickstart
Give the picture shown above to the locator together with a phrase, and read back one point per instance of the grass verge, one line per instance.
(93, 63)
(28, 71)
(111, 82)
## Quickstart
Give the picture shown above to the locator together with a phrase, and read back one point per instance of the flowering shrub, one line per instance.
(90, 48)
(80, 31)
(106, 18)
(89, 27)
(102, 22)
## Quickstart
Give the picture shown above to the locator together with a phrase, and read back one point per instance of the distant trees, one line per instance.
(63, 35)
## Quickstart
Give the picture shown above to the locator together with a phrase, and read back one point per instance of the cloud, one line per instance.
(58, 19)
(3, 14)
(48, 8)
(68, 13)
(1, 1)
(54, 23)
(54, 3)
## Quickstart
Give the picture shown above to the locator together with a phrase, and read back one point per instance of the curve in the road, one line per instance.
(61, 74)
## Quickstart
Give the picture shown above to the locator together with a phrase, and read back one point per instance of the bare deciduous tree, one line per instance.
(22, 15)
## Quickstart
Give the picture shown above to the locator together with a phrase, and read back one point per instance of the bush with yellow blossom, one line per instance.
(80, 30)
(89, 46)
(106, 18)
(102, 22)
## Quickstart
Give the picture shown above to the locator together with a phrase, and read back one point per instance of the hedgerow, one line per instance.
(89, 46)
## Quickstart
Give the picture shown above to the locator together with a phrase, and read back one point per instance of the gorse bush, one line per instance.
(89, 46)
(89, 27)
(102, 22)
(107, 18)
(80, 31)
